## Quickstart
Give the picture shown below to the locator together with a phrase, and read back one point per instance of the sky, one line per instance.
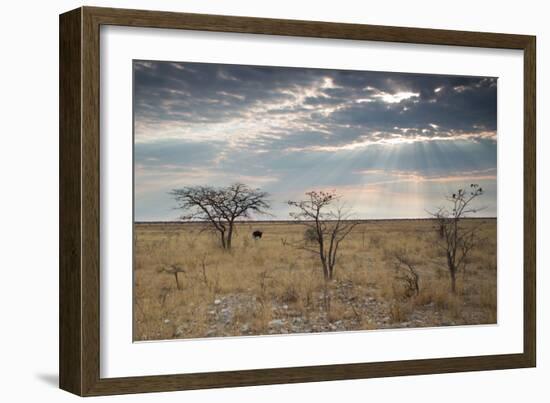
(391, 145)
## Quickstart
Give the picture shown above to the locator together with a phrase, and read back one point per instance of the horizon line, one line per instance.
(299, 221)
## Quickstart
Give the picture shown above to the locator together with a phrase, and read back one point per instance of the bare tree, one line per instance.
(327, 227)
(173, 270)
(455, 240)
(410, 276)
(221, 207)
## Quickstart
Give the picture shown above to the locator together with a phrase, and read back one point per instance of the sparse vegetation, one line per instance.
(271, 287)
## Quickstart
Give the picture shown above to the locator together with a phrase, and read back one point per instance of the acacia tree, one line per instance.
(455, 240)
(221, 207)
(329, 226)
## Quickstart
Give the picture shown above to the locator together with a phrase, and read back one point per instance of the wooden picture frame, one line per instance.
(79, 346)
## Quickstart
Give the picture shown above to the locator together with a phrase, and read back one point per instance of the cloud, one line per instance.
(180, 99)
(286, 129)
(176, 152)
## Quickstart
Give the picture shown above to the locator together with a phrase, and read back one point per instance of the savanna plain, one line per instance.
(389, 274)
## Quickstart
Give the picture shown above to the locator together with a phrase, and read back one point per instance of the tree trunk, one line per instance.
(229, 236)
(222, 237)
(452, 271)
(453, 281)
(325, 268)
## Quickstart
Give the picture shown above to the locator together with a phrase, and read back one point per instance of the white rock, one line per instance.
(217, 301)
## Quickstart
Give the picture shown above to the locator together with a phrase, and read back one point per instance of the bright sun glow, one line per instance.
(397, 97)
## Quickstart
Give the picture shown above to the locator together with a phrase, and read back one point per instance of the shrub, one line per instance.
(290, 294)
(310, 235)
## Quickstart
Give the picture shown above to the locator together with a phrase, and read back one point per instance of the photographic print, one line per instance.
(283, 200)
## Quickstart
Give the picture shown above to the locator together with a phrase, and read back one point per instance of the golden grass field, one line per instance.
(267, 286)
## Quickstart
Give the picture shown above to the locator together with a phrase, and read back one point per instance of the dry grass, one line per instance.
(268, 286)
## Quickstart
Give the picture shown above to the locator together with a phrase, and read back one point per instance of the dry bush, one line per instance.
(310, 235)
(290, 294)
(375, 241)
(399, 311)
(435, 292)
